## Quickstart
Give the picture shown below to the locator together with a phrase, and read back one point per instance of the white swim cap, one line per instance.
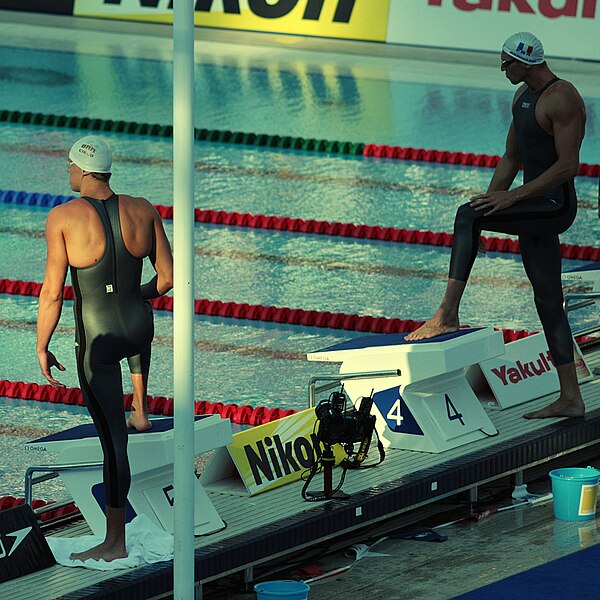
(92, 153)
(525, 47)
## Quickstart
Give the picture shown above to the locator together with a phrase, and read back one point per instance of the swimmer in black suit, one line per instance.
(545, 137)
(104, 238)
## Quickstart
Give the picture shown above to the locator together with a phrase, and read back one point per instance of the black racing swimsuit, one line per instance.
(112, 322)
(537, 222)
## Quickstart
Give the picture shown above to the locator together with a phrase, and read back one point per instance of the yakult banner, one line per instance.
(567, 28)
(348, 19)
(526, 371)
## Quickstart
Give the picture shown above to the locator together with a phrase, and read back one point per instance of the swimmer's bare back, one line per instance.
(84, 235)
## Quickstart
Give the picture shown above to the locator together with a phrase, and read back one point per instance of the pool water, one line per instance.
(362, 99)
(240, 361)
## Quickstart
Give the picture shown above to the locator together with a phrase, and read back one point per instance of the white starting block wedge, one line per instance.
(151, 463)
(430, 406)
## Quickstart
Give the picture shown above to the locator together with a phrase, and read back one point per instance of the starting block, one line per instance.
(430, 405)
(79, 463)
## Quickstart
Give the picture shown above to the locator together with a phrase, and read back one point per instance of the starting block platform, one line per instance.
(430, 405)
(79, 459)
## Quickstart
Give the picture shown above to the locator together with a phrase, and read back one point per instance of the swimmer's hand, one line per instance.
(47, 360)
(492, 202)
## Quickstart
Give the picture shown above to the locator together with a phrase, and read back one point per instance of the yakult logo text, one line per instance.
(552, 9)
(524, 370)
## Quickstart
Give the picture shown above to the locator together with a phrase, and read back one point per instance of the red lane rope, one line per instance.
(7, 502)
(453, 158)
(371, 232)
(311, 226)
(271, 314)
(157, 405)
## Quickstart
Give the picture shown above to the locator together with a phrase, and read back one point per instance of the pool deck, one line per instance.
(404, 483)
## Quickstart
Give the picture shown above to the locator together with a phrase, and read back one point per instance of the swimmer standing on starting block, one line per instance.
(104, 238)
(545, 136)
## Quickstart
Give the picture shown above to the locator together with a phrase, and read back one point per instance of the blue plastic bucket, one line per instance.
(276, 590)
(575, 493)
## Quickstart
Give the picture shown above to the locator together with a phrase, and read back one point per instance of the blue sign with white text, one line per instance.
(397, 416)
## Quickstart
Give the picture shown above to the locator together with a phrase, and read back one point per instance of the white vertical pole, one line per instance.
(183, 310)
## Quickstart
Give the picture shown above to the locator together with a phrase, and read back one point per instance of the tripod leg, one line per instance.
(328, 461)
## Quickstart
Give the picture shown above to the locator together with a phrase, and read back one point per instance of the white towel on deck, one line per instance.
(146, 543)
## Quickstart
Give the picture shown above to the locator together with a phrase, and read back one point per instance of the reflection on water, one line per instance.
(289, 97)
(568, 536)
(34, 77)
(298, 97)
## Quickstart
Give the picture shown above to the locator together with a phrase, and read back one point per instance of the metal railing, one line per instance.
(50, 472)
(335, 380)
(582, 300)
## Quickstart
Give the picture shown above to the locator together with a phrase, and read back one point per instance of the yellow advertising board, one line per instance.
(267, 456)
(345, 19)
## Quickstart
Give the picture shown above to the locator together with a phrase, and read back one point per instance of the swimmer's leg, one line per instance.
(103, 393)
(464, 251)
(522, 218)
(138, 419)
(541, 259)
(569, 403)
(445, 319)
(113, 546)
(139, 367)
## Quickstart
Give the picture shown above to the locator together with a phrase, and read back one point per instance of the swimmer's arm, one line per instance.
(509, 165)
(161, 258)
(498, 195)
(51, 295)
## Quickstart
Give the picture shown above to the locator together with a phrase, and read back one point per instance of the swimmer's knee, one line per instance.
(549, 308)
(465, 216)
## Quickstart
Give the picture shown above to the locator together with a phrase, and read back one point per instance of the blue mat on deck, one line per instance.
(573, 576)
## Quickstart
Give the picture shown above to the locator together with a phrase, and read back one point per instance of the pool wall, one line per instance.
(570, 29)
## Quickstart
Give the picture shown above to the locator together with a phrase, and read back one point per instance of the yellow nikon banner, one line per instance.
(346, 19)
(267, 456)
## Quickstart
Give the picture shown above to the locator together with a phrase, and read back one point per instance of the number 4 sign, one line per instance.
(431, 421)
(394, 416)
(453, 414)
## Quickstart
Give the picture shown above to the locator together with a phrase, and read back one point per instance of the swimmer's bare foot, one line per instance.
(439, 324)
(104, 551)
(139, 421)
(559, 408)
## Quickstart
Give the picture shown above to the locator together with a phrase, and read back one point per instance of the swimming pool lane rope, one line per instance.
(268, 314)
(280, 142)
(7, 502)
(157, 405)
(312, 226)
